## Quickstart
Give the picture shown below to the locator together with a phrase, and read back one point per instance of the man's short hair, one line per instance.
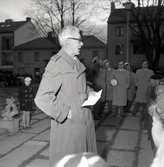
(145, 61)
(67, 32)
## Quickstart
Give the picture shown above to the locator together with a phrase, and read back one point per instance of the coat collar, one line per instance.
(67, 58)
(73, 62)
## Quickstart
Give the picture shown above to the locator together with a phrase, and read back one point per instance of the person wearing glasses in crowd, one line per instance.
(61, 94)
(120, 90)
(142, 79)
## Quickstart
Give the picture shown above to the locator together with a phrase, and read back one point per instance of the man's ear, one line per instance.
(67, 42)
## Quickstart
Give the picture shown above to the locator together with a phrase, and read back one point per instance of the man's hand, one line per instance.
(92, 93)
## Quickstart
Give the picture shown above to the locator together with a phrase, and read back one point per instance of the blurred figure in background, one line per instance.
(131, 89)
(109, 91)
(156, 110)
(142, 82)
(99, 83)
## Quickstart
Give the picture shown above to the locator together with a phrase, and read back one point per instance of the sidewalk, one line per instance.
(120, 141)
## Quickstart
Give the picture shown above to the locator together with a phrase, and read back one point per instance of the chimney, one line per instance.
(112, 6)
(28, 19)
(8, 20)
(50, 34)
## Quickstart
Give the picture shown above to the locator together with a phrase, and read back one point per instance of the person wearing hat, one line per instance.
(120, 90)
(26, 96)
(142, 79)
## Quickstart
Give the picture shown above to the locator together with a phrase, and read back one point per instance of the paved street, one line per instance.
(120, 141)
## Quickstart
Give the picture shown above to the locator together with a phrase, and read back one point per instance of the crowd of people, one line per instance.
(67, 83)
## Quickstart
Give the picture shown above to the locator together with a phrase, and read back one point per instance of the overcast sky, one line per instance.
(12, 9)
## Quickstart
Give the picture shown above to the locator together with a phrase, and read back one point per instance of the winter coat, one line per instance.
(100, 83)
(109, 93)
(120, 91)
(62, 89)
(26, 96)
(142, 83)
(131, 89)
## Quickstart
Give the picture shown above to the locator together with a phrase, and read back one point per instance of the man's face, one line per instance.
(152, 81)
(120, 65)
(27, 83)
(76, 43)
(107, 65)
(144, 65)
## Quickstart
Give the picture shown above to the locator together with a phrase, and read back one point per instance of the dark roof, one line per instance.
(44, 43)
(39, 43)
(120, 15)
(10, 26)
(90, 41)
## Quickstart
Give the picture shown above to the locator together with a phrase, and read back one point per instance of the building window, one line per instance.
(36, 56)
(7, 43)
(20, 56)
(95, 53)
(138, 49)
(119, 49)
(119, 31)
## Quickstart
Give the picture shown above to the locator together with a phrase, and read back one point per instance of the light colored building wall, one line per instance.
(28, 65)
(25, 33)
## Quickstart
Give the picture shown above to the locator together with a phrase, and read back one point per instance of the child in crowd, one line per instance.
(26, 96)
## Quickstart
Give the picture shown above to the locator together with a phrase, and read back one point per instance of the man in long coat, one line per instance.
(120, 90)
(131, 89)
(61, 93)
(143, 76)
(109, 91)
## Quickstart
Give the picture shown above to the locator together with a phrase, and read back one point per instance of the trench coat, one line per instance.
(131, 89)
(120, 91)
(63, 89)
(142, 83)
(100, 83)
(109, 92)
(26, 96)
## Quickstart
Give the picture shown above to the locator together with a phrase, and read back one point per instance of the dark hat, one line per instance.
(156, 77)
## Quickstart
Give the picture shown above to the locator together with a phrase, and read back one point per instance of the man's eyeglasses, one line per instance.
(77, 39)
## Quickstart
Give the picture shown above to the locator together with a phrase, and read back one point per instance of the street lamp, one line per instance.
(128, 7)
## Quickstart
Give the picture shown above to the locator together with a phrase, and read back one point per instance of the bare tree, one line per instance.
(52, 15)
(148, 18)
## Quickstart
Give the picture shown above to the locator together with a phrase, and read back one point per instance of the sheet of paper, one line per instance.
(92, 99)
